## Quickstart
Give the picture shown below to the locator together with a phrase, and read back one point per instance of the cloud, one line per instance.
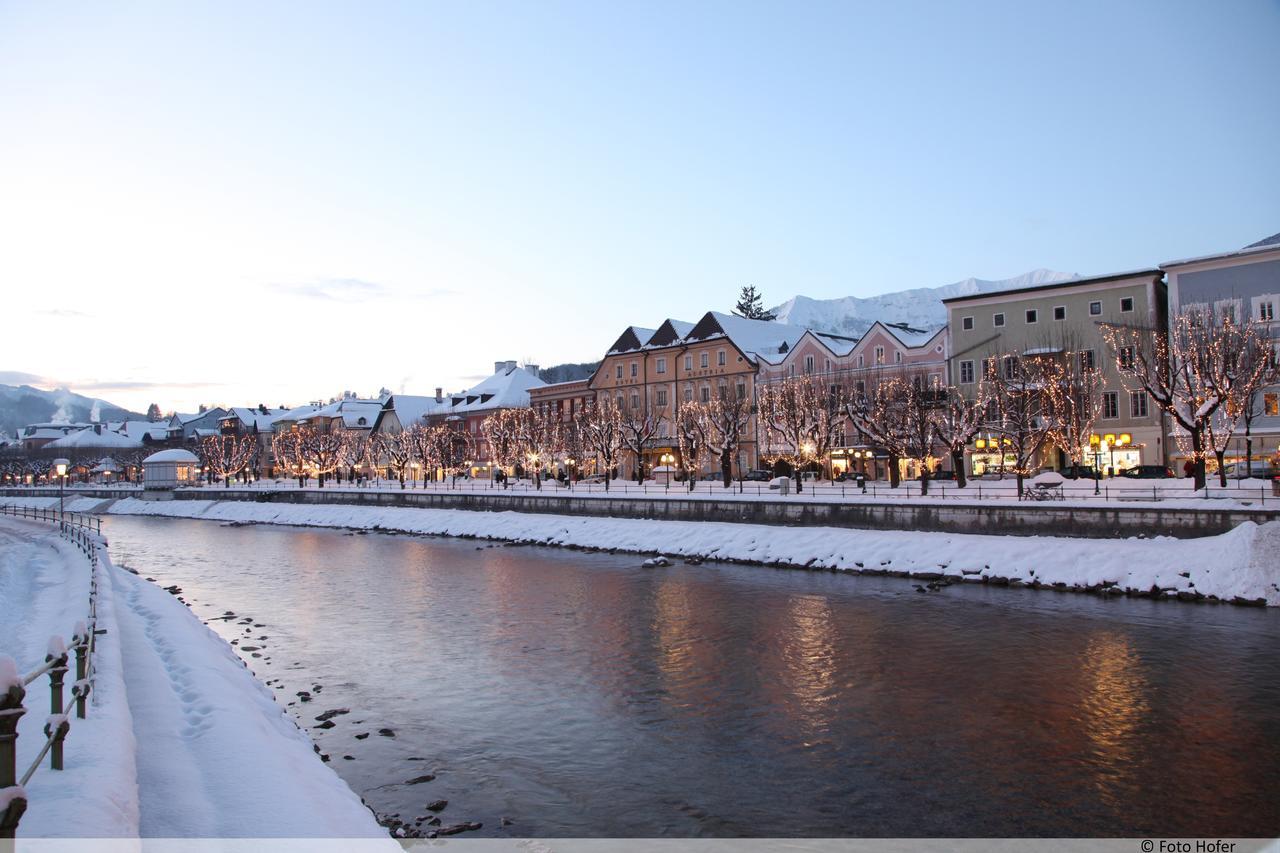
(17, 377)
(350, 290)
(65, 313)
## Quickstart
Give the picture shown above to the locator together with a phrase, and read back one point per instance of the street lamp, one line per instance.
(60, 468)
(667, 459)
(569, 462)
(1097, 463)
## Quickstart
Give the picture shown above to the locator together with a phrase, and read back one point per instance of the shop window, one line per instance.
(1271, 405)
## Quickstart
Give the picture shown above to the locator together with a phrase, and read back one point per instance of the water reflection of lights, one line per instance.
(1113, 708)
(673, 620)
(808, 654)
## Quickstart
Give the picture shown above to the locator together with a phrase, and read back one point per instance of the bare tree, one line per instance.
(1180, 370)
(538, 436)
(1017, 384)
(956, 421)
(878, 412)
(395, 450)
(227, 455)
(601, 425)
(502, 432)
(1073, 390)
(691, 426)
(727, 419)
(788, 410)
(639, 426)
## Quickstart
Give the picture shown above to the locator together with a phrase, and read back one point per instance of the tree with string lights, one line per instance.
(1024, 421)
(538, 436)
(639, 426)
(1073, 389)
(395, 450)
(691, 428)
(227, 455)
(502, 433)
(956, 420)
(788, 410)
(600, 422)
(878, 412)
(728, 418)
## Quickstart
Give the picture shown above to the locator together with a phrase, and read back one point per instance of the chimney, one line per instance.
(499, 366)
(531, 368)
(439, 395)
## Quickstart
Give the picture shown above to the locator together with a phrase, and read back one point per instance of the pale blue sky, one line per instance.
(247, 202)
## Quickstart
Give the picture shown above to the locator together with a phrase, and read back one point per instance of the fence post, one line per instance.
(57, 655)
(80, 690)
(10, 710)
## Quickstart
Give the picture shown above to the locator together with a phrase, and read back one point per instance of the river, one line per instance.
(558, 693)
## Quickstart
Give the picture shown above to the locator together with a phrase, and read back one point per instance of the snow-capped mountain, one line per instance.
(22, 404)
(921, 307)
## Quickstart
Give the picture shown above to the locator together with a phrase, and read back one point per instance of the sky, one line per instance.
(238, 203)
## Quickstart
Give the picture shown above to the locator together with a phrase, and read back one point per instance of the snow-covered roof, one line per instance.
(263, 420)
(1266, 244)
(174, 455)
(506, 389)
(909, 336)
(412, 409)
(91, 437)
(634, 337)
(137, 430)
(764, 340)
(1150, 272)
(351, 411)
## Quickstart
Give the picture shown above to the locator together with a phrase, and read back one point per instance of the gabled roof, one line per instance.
(1266, 244)
(763, 340)
(351, 411)
(633, 338)
(909, 336)
(670, 332)
(263, 421)
(411, 409)
(137, 430)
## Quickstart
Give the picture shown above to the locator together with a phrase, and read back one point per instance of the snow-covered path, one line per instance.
(181, 740)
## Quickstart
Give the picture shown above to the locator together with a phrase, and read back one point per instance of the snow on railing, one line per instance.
(66, 519)
(13, 796)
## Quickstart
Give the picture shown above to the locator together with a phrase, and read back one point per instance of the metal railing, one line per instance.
(13, 797)
(70, 519)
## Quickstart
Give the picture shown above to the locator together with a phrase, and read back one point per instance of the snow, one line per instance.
(93, 438)
(1239, 563)
(221, 758)
(920, 307)
(506, 389)
(9, 676)
(174, 455)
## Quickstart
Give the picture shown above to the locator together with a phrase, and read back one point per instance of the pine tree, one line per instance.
(750, 305)
(153, 412)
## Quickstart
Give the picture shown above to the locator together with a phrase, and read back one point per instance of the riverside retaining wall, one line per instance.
(1014, 519)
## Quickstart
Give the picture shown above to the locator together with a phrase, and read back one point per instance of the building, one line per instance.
(1243, 285)
(192, 427)
(1062, 318)
(170, 468)
(404, 411)
(508, 387)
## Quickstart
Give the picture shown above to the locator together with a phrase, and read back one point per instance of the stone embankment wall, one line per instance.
(1108, 521)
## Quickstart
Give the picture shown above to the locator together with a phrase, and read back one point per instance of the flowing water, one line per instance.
(561, 693)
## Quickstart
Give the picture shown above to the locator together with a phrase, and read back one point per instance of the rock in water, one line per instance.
(418, 780)
(437, 805)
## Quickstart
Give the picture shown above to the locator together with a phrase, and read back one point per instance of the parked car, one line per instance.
(1261, 470)
(942, 475)
(1147, 472)
(758, 476)
(1084, 472)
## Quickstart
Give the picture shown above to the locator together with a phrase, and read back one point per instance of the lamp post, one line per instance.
(1121, 440)
(1097, 463)
(60, 468)
(568, 470)
(667, 459)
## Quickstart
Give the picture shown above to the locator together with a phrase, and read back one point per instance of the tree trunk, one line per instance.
(1197, 449)
(606, 479)
(895, 476)
(1021, 477)
(402, 480)
(726, 467)
(924, 479)
(957, 462)
(1222, 468)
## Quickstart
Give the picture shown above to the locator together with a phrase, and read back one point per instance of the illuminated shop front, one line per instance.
(992, 455)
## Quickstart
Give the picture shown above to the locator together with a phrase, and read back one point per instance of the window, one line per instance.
(1137, 404)
(966, 372)
(1031, 316)
(619, 371)
(706, 393)
(860, 361)
(1095, 309)
(862, 388)
(1124, 356)
(688, 393)
(808, 364)
(1086, 359)
(635, 401)
(828, 361)
(1009, 366)
(720, 358)
(897, 356)
(1271, 405)
(1059, 312)
(662, 365)
(989, 368)
(1266, 311)
(742, 390)
(1126, 304)
(879, 355)
(634, 368)
(662, 396)
(997, 320)
(1110, 405)
(702, 361)
(967, 324)
(688, 362)
(722, 391)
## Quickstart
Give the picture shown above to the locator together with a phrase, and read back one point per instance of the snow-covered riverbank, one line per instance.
(1242, 565)
(180, 740)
